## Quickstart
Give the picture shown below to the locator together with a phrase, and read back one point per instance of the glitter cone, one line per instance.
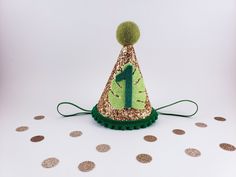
(113, 110)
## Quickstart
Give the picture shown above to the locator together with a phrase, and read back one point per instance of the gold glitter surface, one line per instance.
(86, 166)
(227, 147)
(150, 138)
(144, 158)
(103, 147)
(178, 131)
(50, 162)
(127, 55)
(192, 152)
(22, 128)
(220, 118)
(201, 124)
(75, 134)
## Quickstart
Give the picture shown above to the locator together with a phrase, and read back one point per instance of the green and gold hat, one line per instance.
(124, 103)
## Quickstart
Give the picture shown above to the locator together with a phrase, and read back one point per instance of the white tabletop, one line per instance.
(53, 51)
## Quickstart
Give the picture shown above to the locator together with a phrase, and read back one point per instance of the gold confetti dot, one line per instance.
(227, 147)
(178, 131)
(37, 138)
(86, 166)
(39, 117)
(220, 118)
(103, 147)
(192, 152)
(22, 128)
(75, 134)
(144, 158)
(50, 162)
(201, 124)
(150, 138)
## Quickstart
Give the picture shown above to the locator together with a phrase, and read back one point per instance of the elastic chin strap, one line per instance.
(179, 115)
(86, 111)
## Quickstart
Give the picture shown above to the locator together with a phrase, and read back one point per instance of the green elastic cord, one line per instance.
(85, 111)
(179, 115)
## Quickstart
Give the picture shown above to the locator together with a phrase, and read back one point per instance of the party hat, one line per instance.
(124, 103)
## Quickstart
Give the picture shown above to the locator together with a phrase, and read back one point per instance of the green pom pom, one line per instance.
(127, 33)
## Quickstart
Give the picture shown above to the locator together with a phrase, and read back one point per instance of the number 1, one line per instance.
(127, 76)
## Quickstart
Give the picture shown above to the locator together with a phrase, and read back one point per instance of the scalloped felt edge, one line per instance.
(124, 125)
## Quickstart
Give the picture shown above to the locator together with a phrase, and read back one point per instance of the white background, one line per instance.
(56, 50)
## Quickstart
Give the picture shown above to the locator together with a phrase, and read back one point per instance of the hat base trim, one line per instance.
(126, 124)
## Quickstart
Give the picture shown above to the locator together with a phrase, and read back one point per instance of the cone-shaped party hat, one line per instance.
(125, 99)
(125, 96)
(124, 103)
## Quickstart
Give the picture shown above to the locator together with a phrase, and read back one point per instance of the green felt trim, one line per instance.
(116, 95)
(127, 76)
(124, 125)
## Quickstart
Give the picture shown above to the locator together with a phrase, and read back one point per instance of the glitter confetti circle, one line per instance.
(50, 162)
(22, 128)
(86, 166)
(75, 134)
(144, 158)
(150, 138)
(192, 152)
(103, 147)
(201, 124)
(220, 118)
(37, 138)
(39, 117)
(178, 131)
(227, 147)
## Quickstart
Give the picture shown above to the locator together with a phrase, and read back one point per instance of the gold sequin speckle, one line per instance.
(75, 134)
(150, 138)
(144, 158)
(192, 152)
(227, 147)
(22, 128)
(39, 117)
(178, 131)
(220, 118)
(50, 162)
(86, 166)
(37, 138)
(103, 147)
(201, 124)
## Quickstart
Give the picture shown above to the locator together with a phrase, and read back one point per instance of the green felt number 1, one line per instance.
(127, 76)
